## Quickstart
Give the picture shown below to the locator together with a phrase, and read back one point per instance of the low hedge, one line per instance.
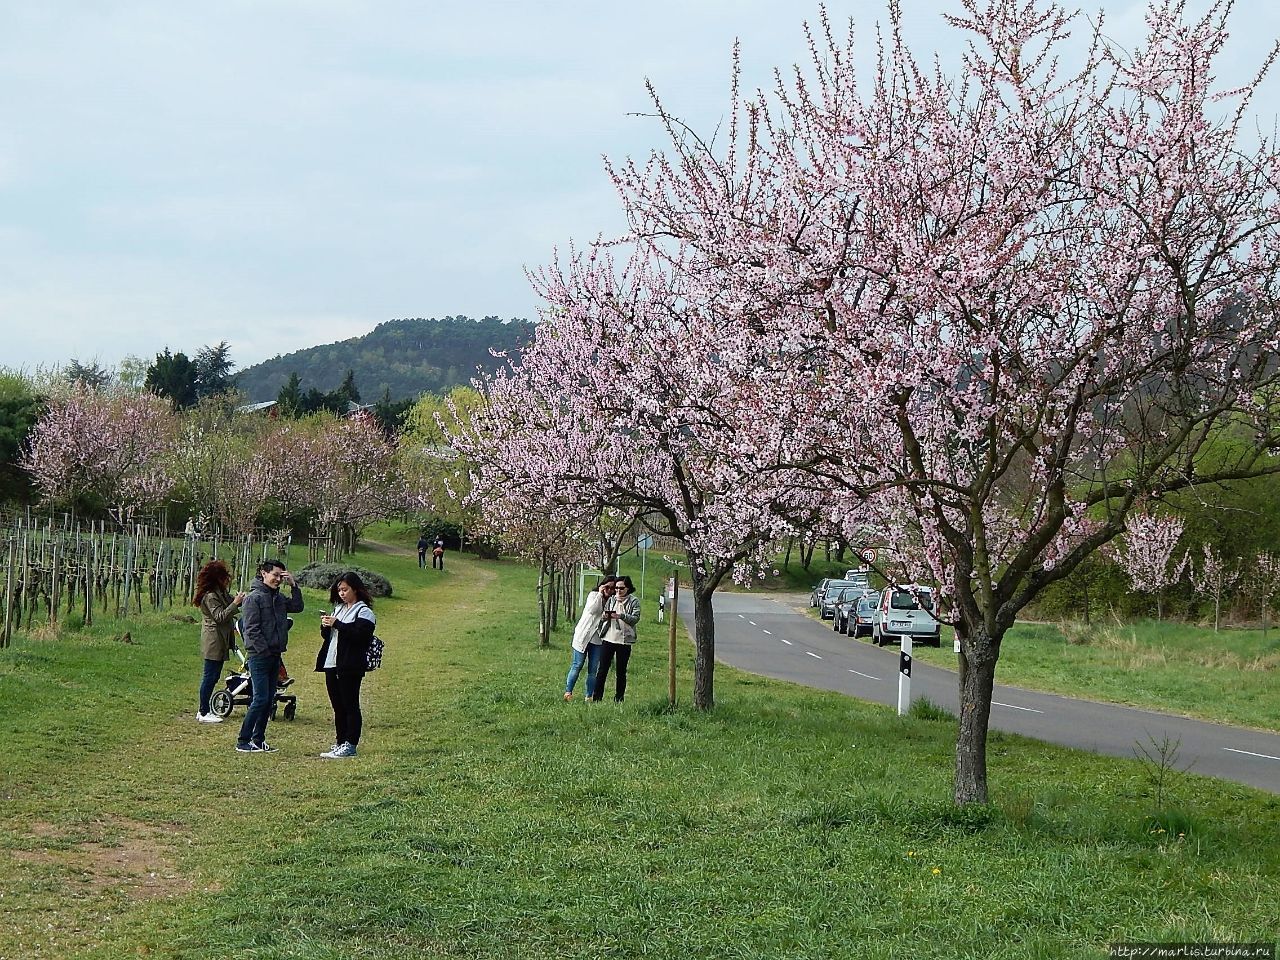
(322, 576)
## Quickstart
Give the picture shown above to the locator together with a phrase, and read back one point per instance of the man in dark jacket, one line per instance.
(265, 628)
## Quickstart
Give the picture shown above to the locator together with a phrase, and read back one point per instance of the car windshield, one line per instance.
(906, 600)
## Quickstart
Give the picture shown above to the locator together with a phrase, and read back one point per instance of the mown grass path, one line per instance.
(487, 818)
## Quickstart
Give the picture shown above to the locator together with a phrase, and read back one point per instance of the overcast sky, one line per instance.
(282, 173)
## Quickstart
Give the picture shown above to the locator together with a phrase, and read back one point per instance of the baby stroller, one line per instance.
(239, 690)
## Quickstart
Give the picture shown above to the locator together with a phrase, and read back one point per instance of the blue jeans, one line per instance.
(591, 656)
(264, 674)
(212, 671)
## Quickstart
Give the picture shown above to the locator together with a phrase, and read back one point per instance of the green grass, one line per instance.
(1229, 676)
(487, 818)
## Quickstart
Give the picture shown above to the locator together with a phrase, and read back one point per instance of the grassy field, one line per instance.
(487, 818)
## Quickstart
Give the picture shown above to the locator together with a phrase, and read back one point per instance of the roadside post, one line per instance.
(673, 591)
(643, 543)
(904, 676)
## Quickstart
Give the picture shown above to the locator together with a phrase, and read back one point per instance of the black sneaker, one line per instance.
(248, 748)
(265, 747)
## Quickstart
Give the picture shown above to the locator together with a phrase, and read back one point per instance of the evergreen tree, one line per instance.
(173, 376)
(289, 400)
(347, 390)
(213, 368)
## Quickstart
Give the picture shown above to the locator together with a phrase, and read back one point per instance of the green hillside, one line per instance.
(406, 357)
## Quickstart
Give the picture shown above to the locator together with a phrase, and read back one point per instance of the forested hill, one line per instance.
(406, 357)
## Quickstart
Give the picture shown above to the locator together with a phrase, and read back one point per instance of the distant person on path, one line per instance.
(422, 551)
(437, 556)
(217, 628)
(621, 615)
(346, 633)
(662, 604)
(587, 643)
(266, 634)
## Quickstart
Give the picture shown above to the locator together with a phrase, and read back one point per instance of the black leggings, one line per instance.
(623, 652)
(344, 694)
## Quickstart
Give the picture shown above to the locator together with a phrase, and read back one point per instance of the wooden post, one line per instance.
(8, 596)
(671, 639)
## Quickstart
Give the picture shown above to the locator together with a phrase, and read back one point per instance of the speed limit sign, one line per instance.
(869, 555)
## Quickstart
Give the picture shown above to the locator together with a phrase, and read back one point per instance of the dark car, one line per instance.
(815, 596)
(863, 615)
(836, 591)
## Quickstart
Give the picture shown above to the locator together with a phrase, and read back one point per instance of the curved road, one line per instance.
(764, 636)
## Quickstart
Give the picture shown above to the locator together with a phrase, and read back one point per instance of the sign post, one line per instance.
(644, 542)
(904, 676)
(673, 592)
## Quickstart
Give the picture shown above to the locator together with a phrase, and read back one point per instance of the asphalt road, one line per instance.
(771, 638)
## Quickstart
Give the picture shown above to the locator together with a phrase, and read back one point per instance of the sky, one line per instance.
(284, 173)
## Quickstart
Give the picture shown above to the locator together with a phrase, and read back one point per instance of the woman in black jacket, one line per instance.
(346, 632)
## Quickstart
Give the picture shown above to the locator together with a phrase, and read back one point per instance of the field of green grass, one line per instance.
(487, 818)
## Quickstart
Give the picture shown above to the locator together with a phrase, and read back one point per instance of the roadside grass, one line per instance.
(485, 817)
(1232, 676)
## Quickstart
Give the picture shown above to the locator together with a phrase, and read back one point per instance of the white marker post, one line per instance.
(904, 676)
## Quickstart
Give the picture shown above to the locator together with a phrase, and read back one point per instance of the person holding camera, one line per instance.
(586, 640)
(346, 633)
(621, 614)
(265, 625)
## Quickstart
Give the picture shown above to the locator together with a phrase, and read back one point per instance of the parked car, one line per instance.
(859, 576)
(815, 597)
(836, 591)
(906, 610)
(862, 615)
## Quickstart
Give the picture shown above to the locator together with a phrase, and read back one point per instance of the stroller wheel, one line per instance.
(220, 703)
(273, 711)
(289, 710)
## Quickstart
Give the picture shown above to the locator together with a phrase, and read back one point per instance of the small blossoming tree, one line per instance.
(1213, 578)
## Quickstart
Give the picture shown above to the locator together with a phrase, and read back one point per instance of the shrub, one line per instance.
(322, 576)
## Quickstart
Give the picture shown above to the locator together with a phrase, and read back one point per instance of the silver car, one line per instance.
(906, 611)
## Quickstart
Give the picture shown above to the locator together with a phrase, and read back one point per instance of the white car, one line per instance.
(906, 610)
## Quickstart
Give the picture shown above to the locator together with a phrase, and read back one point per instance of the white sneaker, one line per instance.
(208, 718)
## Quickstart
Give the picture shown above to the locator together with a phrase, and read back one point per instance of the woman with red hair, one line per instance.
(217, 629)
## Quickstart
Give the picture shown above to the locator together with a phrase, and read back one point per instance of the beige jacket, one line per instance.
(218, 626)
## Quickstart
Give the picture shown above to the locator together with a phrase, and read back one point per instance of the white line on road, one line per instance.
(752, 622)
(867, 675)
(787, 642)
(814, 655)
(768, 634)
(997, 703)
(741, 617)
(1250, 753)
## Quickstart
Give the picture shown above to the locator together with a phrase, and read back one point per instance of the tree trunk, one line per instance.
(704, 641)
(978, 656)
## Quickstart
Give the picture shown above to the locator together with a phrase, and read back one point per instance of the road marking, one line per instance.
(753, 623)
(1250, 753)
(814, 655)
(1011, 706)
(741, 617)
(787, 642)
(867, 675)
(768, 634)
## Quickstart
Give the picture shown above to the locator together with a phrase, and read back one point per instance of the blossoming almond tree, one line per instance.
(1213, 578)
(641, 396)
(101, 445)
(1043, 291)
(1265, 583)
(1146, 554)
